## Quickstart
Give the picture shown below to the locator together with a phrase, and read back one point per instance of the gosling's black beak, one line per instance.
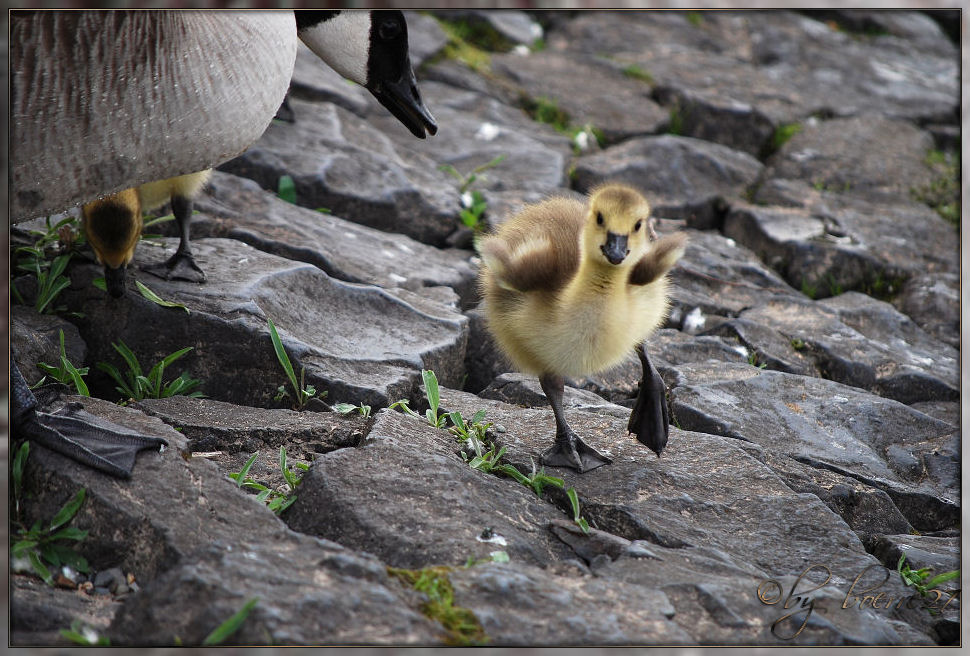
(114, 279)
(615, 248)
(403, 100)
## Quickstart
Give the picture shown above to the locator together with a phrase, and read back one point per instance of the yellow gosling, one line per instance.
(113, 226)
(571, 289)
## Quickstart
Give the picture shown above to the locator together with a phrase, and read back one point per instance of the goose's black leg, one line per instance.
(285, 112)
(180, 266)
(569, 450)
(650, 419)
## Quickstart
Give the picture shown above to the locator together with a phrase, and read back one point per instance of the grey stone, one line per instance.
(430, 519)
(948, 411)
(892, 28)
(680, 501)
(721, 276)
(369, 346)
(425, 38)
(933, 302)
(556, 610)
(212, 425)
(524, 390)
(866, 155)
(828, 425)
(866, 509)
(767, 346)
(38, 612)
(670, 169)
(608, 100)
(35, 338)
(778, 64)
(308, 591)
(476, 129)
(339, 161)
(724, 605)
(860, 341)
(243, 553)
(238, 208)
(503, 28)
(942, 554)
(836, 243)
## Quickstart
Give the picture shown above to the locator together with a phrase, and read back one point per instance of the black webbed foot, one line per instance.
(180, 266)
(77, 434)
(570, 451)
(650, 419)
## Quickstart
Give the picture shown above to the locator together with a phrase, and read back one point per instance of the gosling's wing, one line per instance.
(663, 255)
(538, 249)
(532, 265)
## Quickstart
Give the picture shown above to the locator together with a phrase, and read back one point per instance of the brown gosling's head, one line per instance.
(113, 227)
(616, 226)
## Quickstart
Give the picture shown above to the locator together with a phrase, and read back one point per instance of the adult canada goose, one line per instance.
(104, 102)
(571, 289)
(370, 48)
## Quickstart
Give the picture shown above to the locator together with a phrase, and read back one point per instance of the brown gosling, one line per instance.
(571, 289)
(113, 226)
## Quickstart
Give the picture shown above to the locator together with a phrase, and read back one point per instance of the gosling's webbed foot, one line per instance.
(650, 418)
(180, 266)
(570, 451)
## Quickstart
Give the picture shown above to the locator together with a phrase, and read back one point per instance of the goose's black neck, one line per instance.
(308, 17)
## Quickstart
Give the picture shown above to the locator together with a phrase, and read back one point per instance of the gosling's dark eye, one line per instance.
(639, 225)
(599, 218)
(389, 29)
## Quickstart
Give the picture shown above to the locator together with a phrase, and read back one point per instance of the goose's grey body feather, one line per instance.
(106, 102)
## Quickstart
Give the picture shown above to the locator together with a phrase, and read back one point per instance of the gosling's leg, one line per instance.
(180, 266)
(650, 419)
(569, 450)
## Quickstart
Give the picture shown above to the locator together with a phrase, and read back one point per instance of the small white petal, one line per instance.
(694, 321)
(487, 132)
(581, 140)
(521, 50)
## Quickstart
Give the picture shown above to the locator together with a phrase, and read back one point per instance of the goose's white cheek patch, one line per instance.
(343, 42)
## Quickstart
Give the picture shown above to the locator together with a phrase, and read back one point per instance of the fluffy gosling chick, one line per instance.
(570, 290)
(113, 226)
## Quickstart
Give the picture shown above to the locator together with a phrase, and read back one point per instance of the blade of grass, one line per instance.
(286, 189)
(66, 514)
(231, 625)
(244, 472)
(283, 358)
(156, 299)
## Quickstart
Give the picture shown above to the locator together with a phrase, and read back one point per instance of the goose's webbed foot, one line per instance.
(76, 433)
(650, 418)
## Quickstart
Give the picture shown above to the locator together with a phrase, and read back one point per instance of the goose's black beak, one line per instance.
(403, 100)
(615, 248)
(114, 279)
